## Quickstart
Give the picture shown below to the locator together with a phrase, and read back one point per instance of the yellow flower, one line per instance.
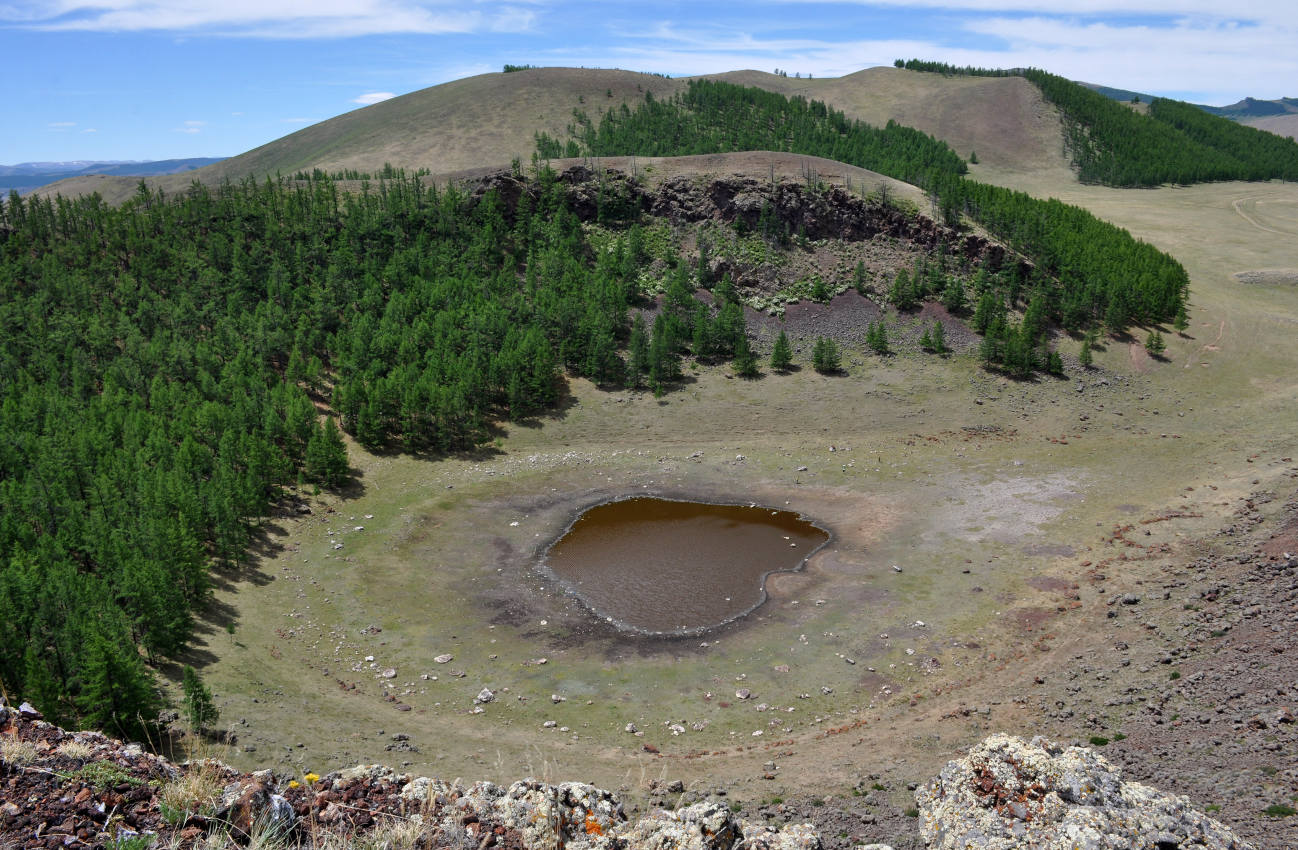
(311, 778)
(293, 783)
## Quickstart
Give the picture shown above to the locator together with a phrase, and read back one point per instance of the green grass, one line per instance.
(1279, 810)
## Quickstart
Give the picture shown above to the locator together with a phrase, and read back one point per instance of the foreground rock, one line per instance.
(1008, 794)
(81, 789)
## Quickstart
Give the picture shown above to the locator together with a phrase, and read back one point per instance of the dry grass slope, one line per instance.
(1281, 125)
(486, 121)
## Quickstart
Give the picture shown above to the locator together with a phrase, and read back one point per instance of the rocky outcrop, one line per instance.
(796, 207)
(82, 789)
(61, 789)
(1009, 794)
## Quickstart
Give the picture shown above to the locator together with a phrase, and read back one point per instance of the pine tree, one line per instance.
(938, 338)
(953, 297)
(989, 307)
(781, 353)
(637, 364)
(1182, 321)
(1084, 356)
(117, 697)
(825, 357)
(902, 295)
(1154, 343)
(744, 362)
(1054, 363)
(876, 337)
(199, 708)
(326, 456)
(858, 278)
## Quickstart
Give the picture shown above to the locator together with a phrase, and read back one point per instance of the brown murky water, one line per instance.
(667, 567)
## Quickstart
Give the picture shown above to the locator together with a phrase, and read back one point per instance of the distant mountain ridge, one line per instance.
(1279, 116)
(25, 176)
(1251, 107)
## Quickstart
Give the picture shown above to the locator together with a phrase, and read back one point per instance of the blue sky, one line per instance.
(159, 79)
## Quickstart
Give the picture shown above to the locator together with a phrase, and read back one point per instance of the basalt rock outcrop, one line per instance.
(805, 208)
(1009, 794)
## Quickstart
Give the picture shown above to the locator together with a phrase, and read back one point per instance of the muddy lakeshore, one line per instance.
(661, 567)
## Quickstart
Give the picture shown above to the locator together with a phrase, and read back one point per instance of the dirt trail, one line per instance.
(1251, 202)
(1215, 345)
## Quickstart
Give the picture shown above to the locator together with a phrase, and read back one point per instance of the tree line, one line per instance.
(171, 368)
(1114, 145)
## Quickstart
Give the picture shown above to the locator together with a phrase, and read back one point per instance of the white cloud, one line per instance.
(1273, 11)
(90, 130)
(272, 18)
(191, 127)
(373, 97)
(1209, 60)
(60, 125)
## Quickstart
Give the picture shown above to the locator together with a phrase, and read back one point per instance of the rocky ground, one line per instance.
(1189, 683)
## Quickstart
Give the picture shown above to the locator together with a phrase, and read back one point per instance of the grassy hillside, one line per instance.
(1281, 125)
(487, 120)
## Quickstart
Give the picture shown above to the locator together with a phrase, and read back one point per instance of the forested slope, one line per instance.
(1177, 142)
(162, 364)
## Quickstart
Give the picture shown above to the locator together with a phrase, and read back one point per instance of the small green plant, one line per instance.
(1279, 810)
(878, 786)
(1118, 736)
(1099, 740)
(1218, 633)
(1176, 674)
(131, 842)
(102, 775)
(912, 812)
(775, 801)
(1212, 808)
(1269, 770)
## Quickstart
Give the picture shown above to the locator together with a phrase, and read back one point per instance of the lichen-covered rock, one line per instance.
(1009, 794)
(578, 816)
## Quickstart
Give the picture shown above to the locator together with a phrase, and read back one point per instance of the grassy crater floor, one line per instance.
(970, 516)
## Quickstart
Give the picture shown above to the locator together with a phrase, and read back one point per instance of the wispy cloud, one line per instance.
(191, 127)
(272, 18)
(1198, 55)
(1274, 11)
(61, 125)
(90, 130)
(373, 97)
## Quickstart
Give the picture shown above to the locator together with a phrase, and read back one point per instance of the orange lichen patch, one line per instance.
(593, 826)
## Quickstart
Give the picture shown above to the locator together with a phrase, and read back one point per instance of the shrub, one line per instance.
(1099, 740)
